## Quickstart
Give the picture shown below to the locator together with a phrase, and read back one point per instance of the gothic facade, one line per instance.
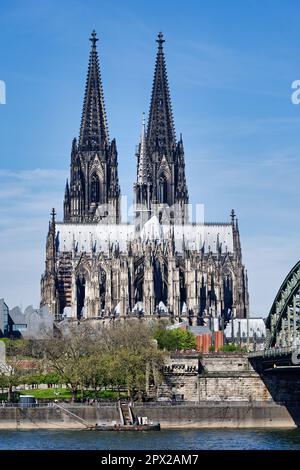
(161, 264)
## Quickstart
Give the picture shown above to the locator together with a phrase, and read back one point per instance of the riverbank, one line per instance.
(170, 416)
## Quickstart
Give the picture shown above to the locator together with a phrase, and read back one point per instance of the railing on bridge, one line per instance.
(273, 352)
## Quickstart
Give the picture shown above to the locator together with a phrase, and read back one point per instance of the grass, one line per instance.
(64, 393)
(51, 393)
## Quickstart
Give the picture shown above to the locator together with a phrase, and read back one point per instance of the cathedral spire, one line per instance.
(161, 167)
(161, 133)
(67, 191)
(142, 170)
(53, 214)
(93, 131)
(67, 206)
(94, 165)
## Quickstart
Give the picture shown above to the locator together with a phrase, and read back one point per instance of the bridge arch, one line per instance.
(283, 322)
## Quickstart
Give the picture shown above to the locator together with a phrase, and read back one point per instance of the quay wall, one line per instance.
(192, 416)
(225, 377)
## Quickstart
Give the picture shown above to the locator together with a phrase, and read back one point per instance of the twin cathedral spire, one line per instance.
(161, 182)
(94, 192)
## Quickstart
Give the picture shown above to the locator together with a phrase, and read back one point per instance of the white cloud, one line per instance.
(26, 201)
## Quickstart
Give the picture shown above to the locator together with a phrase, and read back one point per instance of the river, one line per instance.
(204, 439)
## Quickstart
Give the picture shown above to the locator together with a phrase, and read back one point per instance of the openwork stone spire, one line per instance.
(94, 179)
(161, 133)
(93, 131)
(160, 166)
(142, 170)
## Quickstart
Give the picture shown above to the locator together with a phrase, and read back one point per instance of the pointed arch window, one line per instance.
(139, 282)
(80, 295)
(102, 288)
(162, 189)
(182, 286)
(228, 296)
(95, 188)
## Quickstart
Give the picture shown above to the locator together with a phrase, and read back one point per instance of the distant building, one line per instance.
(236, 331)
(183, 325)
(32, 324)
(4, 319)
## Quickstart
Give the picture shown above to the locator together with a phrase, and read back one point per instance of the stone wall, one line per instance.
(230, 387)
(225, 377)
(212, 377)
(232, 362)
(207, 415)
(180, 377)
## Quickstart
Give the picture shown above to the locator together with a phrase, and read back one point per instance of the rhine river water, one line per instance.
(204, 439)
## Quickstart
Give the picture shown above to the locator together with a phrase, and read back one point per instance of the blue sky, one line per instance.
(230, 67)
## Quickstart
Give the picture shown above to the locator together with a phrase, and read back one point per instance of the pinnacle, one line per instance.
(93, 131)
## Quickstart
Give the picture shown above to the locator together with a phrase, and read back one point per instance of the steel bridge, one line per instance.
(283, 321)
(282, 347)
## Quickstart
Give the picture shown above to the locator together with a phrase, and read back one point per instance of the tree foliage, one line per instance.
(175, 340)
(122, 355)
(10, 376)
(232, 348)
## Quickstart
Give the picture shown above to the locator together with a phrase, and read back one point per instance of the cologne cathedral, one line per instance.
(161, 264)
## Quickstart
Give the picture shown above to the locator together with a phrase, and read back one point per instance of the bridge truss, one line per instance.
(283, 322)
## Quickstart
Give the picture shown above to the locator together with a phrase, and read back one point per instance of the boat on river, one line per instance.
(128, 421)
(127, 427)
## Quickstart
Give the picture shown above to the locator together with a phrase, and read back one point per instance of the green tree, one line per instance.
(175, 340)
(122, 355)
(96, 370)
(66, 355)
(51, 378)
(10, 377)
(135, 357)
